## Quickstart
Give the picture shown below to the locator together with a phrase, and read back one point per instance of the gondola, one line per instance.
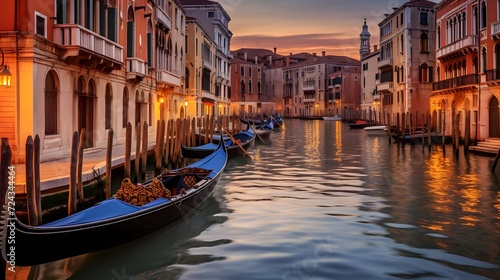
(244, 138)
(258, 123)
(132, 212)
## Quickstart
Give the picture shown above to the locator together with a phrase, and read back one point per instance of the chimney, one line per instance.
(275, 49)
(270, 60)
(314, 54)
(323, 53)
(256, 60)
(375, 48)
(246, 56)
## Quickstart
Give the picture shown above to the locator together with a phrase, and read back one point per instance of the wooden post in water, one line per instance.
(429, 138)
(30, 186)
(36, 173)
(497, 158)
(467, 132)
(128, 150)
(109, 156)
(157, 148)
(80, 166)
(144, 154)
(457, 135)
(72, 175)
(5, 157)
(137, 161)
(168, 137)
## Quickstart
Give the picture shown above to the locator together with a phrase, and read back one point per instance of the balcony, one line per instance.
(309, 88)
(136, 68)
(385, 87)
(207, 64)
(87, 49)
(457, 49)
(166, 78)
(465, 81)
(493, 77)
(162, 19)
(385, 62)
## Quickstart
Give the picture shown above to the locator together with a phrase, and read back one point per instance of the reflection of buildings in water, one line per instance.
(312, 141)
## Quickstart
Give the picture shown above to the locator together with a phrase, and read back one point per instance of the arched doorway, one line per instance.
(494, 117)
(86, 111)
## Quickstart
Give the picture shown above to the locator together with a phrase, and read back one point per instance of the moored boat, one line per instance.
(244, 139)
(375, 130)
(358, 124)
(135, 210)
(332, 118)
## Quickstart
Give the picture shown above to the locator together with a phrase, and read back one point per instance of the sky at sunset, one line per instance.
(294, 26)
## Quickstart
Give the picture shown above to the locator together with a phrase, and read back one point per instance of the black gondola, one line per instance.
(114, 221)
(244, 138)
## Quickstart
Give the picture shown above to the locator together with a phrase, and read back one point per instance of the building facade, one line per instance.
(370, 97)
(466, 90)
(99, 65)
(407, 59)
(344, 92)
(215, 21)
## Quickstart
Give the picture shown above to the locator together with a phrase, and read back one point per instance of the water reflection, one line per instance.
(330, 204)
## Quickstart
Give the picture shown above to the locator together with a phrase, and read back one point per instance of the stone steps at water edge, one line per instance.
(488, 146)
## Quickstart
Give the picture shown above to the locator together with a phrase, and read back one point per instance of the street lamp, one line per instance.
(5, 73)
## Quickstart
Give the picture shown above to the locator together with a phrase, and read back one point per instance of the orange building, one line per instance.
(467, 76)
(92, 66)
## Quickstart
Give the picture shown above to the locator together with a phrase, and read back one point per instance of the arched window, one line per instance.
(125, 107)
(130, 32)
(483, 60)
(249, 71)
(425, 74)
(250, 88)
(51, 104)
(483, 15)
(424, 43)
(464, 25)
(109, 101)
(439, 37)
(259, 88)
(242, 70)
(242, 86)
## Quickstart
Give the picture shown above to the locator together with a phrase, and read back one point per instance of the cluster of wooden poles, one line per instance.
(170, 135)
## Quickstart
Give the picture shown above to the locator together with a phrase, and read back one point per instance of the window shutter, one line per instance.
(420, 73)
(102, 19)
(112, 24)
(431, 74)
(150, 49)
(130, 39)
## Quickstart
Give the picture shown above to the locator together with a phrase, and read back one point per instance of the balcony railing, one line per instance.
(136, 68)
(163, 18)
(168, 78)
(461, 81)
(466, 42)
(308, 87)
(492, 75)
(385, 87)
(78, 37)
(385, 62)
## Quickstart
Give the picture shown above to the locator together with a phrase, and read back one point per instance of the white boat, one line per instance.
(376, 130)
(332, 118)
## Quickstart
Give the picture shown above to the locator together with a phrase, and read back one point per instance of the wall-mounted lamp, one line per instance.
(5, 73)
(185, 103)
(161, 99)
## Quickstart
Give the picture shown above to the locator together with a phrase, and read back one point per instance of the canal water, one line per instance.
(321, 201)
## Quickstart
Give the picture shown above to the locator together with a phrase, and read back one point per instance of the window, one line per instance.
(483, 60)
(210, 14)
(425, 73)
(51, 105)
(125, 108)
(439, 37)
(483, 15)
(424, 18)
(401, 44)
(40, 24)
(242, 71)
(107, 115)
(242, 86)
(250, 87)
(401, 18)
(424, 43)
(249, 71)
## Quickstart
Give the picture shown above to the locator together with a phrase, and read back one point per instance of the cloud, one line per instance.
(338, 43)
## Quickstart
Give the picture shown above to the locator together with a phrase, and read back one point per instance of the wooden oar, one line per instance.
(234, 141)
(258, 134)
(277, 122)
